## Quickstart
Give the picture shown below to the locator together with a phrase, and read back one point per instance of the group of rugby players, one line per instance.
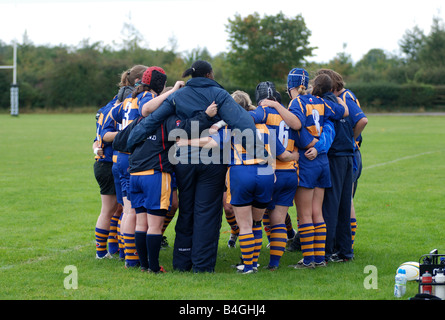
(307, 154)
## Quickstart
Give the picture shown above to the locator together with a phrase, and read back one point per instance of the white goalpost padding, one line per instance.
(14, 86)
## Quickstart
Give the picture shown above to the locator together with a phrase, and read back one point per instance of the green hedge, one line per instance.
(386, 96)
(372, 96)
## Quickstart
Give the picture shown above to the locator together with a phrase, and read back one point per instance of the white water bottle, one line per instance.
(400, 286)
(439, 279)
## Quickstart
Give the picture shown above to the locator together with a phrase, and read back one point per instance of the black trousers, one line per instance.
(337, 208)
(200, 194)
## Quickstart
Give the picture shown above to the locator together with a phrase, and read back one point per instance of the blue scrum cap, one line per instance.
(297, 77)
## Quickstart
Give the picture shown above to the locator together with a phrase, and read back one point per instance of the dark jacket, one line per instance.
(343, 144)
(196, 96)
(153, 153)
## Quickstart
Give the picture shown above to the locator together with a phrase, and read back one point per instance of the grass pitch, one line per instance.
(50, 202)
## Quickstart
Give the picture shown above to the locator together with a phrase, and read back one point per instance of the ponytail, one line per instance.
(136, 72)
(124, 79)
(199, 68)
(188, 72)
(301, 90)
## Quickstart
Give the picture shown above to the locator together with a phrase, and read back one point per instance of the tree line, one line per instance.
(261, 48)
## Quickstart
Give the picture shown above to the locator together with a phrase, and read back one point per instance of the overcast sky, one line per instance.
(201, 23)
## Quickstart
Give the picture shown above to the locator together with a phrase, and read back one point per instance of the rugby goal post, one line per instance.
(14, 86)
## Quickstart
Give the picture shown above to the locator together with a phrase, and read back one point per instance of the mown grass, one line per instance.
(50, 203)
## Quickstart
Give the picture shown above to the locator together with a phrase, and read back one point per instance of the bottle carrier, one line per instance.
(431, 262)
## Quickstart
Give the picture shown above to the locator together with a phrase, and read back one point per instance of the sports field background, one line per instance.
(50, 202)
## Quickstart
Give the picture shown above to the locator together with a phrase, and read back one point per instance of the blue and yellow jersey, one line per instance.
(289, 138)
(127, 111)
(312, 111)
(236, 142)
(106, 147)
(243, 157)
(122, 115)
(284, 135)
(110, 125)
(147, 96)
(355, 110)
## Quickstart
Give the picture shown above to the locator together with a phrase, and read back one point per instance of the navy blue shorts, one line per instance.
(249, 184)
(358, 170)
(314, 173)
(284, 189)
(124, 175)
(151, 190)
(117, 182)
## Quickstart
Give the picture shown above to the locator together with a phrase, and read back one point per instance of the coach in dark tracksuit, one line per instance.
(337, 198)
(153, 155)
(200, 186)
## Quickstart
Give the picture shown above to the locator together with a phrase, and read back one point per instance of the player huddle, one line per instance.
(197, 148)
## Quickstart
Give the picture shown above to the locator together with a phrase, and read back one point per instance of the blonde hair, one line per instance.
(243, 99)
(301, 90)
(124, 79)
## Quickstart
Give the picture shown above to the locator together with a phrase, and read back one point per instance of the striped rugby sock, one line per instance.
(258, 236)
(307, 242)
(353, 230)
(234, 229)
(319, 241)
(291, 233)
(247, 244)
(101, 242)
(288, 222)
(120, 238)
(131, 255)
(168, 218)
(278, 239)
(113, 246)
(266, 224)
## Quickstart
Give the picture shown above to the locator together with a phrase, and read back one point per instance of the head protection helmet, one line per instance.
(297, 77)
(266, 90)
(155, 78)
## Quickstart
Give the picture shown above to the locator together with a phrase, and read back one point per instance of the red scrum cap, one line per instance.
(155, 78)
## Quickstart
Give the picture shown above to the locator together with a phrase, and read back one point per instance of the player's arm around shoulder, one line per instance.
(291, 119)
(345, 106)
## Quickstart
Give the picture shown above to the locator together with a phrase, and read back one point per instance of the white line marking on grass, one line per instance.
(43, 258)
(401, 159)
